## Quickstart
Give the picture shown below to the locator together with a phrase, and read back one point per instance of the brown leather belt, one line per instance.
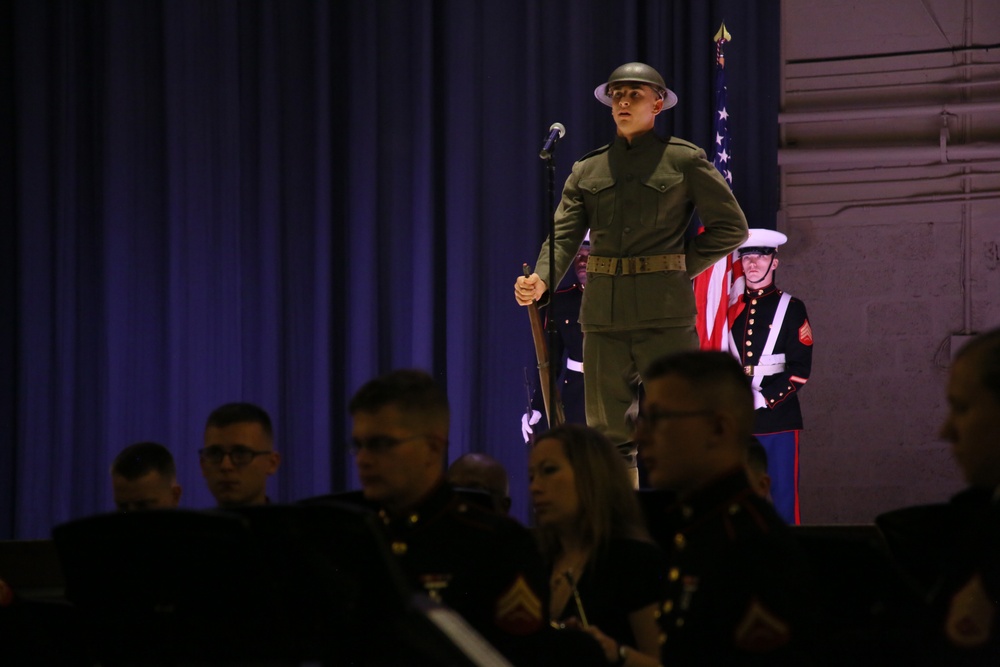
(624, 266)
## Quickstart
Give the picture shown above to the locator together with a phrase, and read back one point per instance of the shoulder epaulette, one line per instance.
(674, 141)
(597, 151)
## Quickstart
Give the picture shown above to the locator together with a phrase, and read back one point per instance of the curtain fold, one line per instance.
(274, 201)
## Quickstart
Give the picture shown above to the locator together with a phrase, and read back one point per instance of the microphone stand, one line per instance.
(550, 326)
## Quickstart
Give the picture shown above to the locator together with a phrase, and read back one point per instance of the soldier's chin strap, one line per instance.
(769, 265)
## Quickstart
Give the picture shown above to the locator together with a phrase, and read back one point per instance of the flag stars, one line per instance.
(723, 114)
(723, 156)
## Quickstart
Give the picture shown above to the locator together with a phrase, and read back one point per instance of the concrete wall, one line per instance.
(893, 216)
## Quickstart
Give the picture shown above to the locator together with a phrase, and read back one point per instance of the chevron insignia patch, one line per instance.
(970, 615)
(519, 611)
(760, 631)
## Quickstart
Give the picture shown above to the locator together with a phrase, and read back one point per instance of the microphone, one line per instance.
(556, 132)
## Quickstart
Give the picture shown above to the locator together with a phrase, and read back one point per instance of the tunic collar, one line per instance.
(766, 291)
(640, 143)
(429, 506)
(730, 488)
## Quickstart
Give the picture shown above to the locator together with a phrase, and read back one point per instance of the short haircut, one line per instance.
(473, 470)
(608, 504)
(240, 413)
(986, 348)
(140, 459)
(716, 377)
(488, 473)
(413, 392)
(756, 455)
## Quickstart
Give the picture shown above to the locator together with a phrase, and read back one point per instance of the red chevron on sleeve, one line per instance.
(806, 333)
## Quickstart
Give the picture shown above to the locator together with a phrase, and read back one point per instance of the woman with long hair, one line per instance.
(606, 574)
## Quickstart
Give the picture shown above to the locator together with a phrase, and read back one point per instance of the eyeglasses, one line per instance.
(381, 443)
(649, 420)
(240, 456)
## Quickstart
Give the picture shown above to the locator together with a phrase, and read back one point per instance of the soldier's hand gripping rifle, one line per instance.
(553, 413)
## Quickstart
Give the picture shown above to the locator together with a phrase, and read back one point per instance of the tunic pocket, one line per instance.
(599, 200)
(657, 198)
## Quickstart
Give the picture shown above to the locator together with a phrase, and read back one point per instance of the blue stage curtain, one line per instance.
(273, 201)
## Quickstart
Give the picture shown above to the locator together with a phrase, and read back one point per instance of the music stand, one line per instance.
(277, 583)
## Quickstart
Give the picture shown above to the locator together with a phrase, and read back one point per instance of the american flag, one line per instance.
(718, 288)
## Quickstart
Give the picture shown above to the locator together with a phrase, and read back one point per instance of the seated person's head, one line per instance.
(972, 426)
(239, 455)
(479, 471)
(756, 463)
(400, 437)
(143, 476)
(697, 416)
(580, 488)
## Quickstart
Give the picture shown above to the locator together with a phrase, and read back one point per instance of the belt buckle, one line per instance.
(748, 370)
(631, 265)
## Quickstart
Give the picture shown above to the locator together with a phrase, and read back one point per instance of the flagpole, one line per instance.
(713, 287)
(723, 34)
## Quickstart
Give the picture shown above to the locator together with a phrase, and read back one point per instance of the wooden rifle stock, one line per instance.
(554, 414)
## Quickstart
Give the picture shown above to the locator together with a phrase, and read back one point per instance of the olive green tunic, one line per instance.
(637, 200)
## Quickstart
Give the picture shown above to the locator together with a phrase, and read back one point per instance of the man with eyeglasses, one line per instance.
(637, 196)
(738, 586)
(483, 565)
(239, 455)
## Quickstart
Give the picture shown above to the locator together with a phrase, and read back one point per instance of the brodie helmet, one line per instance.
(636, 73)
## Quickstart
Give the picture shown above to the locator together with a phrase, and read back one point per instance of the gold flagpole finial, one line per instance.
(723, 34)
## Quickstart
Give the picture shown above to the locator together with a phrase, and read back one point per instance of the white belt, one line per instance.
(770, 369)
(574, 365)
(767, 364)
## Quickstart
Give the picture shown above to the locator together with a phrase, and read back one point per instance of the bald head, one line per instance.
(479, 471)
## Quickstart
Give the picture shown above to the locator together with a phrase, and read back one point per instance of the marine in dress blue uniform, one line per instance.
(483, 565)
(954, 549)
(736, 581)
(739, 589)
(772, 338)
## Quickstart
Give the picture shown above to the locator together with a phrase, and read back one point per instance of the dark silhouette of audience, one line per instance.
(144, 476)
(484, 473)
(952, 551)
(728, 583)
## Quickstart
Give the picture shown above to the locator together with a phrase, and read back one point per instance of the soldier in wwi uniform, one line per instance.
(636, 195)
